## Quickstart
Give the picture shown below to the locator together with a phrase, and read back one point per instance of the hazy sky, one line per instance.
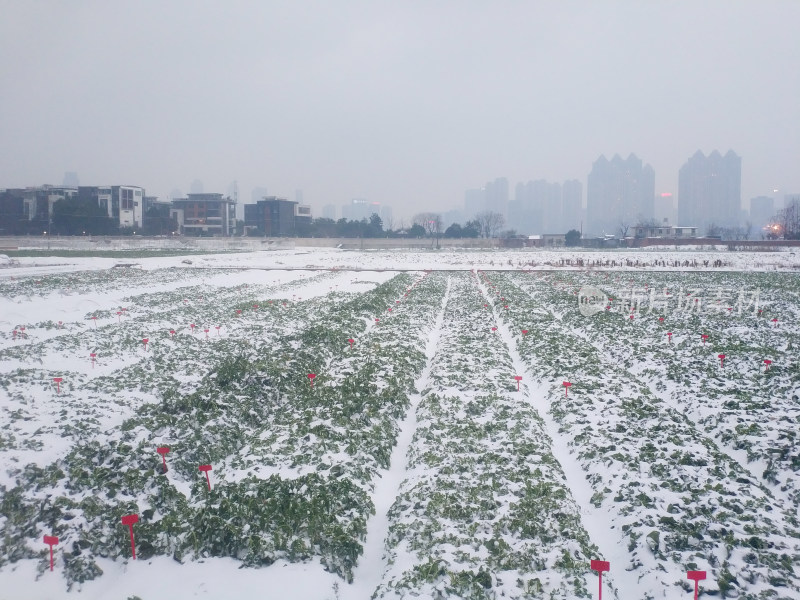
(407, 103)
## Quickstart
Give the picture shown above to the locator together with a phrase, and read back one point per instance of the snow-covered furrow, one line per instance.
(746, 408)
(594, 519)
(484, 511)
(675, 500)
(97, 393)
(373, 563)
(228, 421)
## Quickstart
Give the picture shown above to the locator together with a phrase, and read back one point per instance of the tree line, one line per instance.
(423, 225)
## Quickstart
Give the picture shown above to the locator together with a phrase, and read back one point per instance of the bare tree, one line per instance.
(788, 221)
(490, 223)
(623, 228)
(431, 223)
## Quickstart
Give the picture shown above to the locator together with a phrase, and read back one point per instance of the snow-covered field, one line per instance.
(413, 467)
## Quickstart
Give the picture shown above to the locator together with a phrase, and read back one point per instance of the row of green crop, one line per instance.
(95, 391)
(484, 511)
(677, 501)
(745, 405)
(88, 282)
(255, 391)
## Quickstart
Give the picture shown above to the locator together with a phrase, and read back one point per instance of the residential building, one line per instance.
(387, 219)
(125, 204)
(13, 219)
(709, 190)
(620, 193)
(205, 215)
(544, 206)
(39, 201)
(360, 209)
(275, 217)
(329, 212)
(496, 196)
(474, 202)
(665, 231)
(571, 205)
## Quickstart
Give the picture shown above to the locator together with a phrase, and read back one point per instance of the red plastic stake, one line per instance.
(600, 566)
(217, 327)
(518, 378)
(566, 385)
(60, 324)
(669, 334)
(697, 577)
(206, 469)
(51, 540)
(192, 326)
(206, 330)
(163, 451)
(14, 334)
(721, 358)
(93, 356)
(119, 316)
(767, 362)
(524, 332)
(376, 320)
(172, 332)
(704, 337)
(661, 319)
(390, 310)
(255, 306)
(129, 520)
(494, 328)
(351, 340)
(238, 312)
(144, 341)
(95, 322)
(311, 377)
(58, 381)
(775, 322)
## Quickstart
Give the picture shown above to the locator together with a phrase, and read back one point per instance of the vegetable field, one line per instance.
(402, 435)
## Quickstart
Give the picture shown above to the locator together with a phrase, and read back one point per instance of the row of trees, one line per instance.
(423, 225)
(786, 223)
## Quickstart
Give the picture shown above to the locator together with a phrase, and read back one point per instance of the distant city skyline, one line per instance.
(406, 104)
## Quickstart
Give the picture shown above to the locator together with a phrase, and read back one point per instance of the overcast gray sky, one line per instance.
(406, 103)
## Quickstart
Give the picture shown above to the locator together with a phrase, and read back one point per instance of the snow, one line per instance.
(435, 347)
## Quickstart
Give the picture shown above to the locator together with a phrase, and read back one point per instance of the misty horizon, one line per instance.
(407, 105)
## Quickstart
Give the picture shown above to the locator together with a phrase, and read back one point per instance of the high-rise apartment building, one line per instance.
(544, 207)
(709, 190)
(474, 202)
(571, 205)
(329, 212)
(360, 209)
(497, 196)
(619, 193)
